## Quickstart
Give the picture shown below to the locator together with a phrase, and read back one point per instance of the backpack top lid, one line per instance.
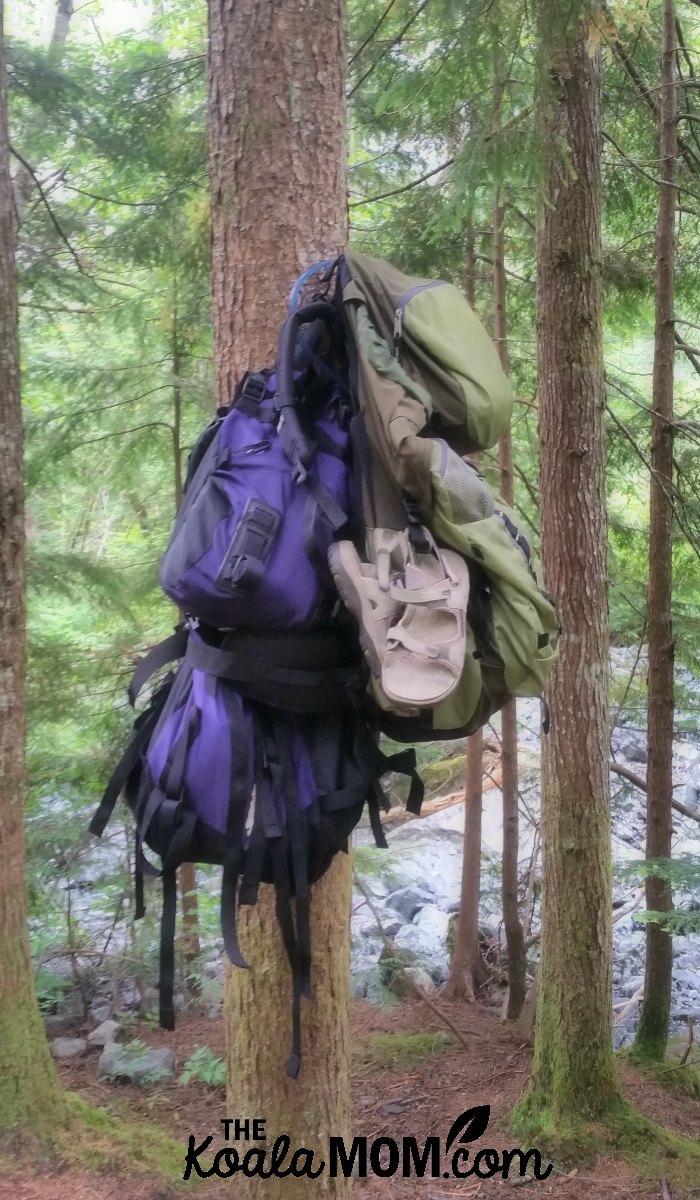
(440, 342)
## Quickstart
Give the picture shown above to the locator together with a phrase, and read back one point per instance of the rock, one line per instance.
(148, 1001)
(396, 974)
(65, 1048)
(632, 986)
(634, 752)
(685, 1013)
(372, 929)
(407, 901)
(100, 1012)
(105, 1033)
(422, 980)
(433, 923)
(135, 1063)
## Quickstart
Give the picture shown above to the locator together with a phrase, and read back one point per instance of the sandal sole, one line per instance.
(353, 602)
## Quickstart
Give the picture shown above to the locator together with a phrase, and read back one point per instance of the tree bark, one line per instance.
(652, 1034)
(466, 975)
(515, 940)
(24, 183)
(276, 145)
(470, 263)
(187, 874)
(573, 1076)
(31, 1102)
(277, 165)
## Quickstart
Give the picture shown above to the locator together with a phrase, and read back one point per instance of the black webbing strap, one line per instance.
(403, 762)
(159, 656)
(283, 908)
(183, 823)
(415, 528)
(299, 850)
(375, 802)
(143, 728)
(167, 949)
(235, 827)
(139, 905)
(346, 796)
(327, 504)
(361, 475)
(256, 671)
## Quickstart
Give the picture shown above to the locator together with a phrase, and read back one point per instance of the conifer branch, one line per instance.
(390, 46)
(54, 220)
(407, 187)
(121, 433)
(372, 33)
(640, 783)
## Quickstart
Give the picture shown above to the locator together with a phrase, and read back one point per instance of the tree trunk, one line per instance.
(509, 723)
(24, 183)
(187, 874)
(277, 162)
(652, 1034)
(277, 153)
(470, 263)
(466, 976)
(30, 1099)
(573, 1076)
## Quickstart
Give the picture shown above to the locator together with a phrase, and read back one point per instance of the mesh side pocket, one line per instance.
(470, 498)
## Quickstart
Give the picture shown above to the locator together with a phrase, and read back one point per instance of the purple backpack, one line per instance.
(250, 542)
(257, 753)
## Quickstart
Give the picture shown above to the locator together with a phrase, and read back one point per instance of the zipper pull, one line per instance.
(398, 330)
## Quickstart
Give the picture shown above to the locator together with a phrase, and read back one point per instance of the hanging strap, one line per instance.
(403, 762)
(159, 656)
(299, 851)
(283, 908)
(167, 949)
(130, 760)
(235, 827)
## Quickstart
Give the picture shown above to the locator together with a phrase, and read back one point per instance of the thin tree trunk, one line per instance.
(187, 874)
(466, 975)
(515, 941)
(24, 183)
(31, 1103)
(573, 1075)
(470, 262)
(652, 1034)
(277, 164)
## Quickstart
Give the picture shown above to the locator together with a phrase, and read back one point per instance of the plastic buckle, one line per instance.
(254, 388)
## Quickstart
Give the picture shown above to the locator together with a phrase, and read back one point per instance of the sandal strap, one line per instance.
(439, 652)
(441, 591)
(398, 636)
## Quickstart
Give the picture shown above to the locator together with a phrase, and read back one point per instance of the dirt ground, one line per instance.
(418, 1094)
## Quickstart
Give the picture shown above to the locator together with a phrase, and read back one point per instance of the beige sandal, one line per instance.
(365, 588)
(425, 649)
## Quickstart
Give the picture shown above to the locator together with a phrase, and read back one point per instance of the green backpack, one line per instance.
(431, 389)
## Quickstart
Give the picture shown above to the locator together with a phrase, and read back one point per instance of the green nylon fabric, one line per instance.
(520, 613)
(378, 353)
(439, 320)
(444, 347)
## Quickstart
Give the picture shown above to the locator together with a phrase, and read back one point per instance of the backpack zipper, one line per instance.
(401, 305)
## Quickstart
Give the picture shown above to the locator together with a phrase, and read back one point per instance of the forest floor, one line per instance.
(409, 1078)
